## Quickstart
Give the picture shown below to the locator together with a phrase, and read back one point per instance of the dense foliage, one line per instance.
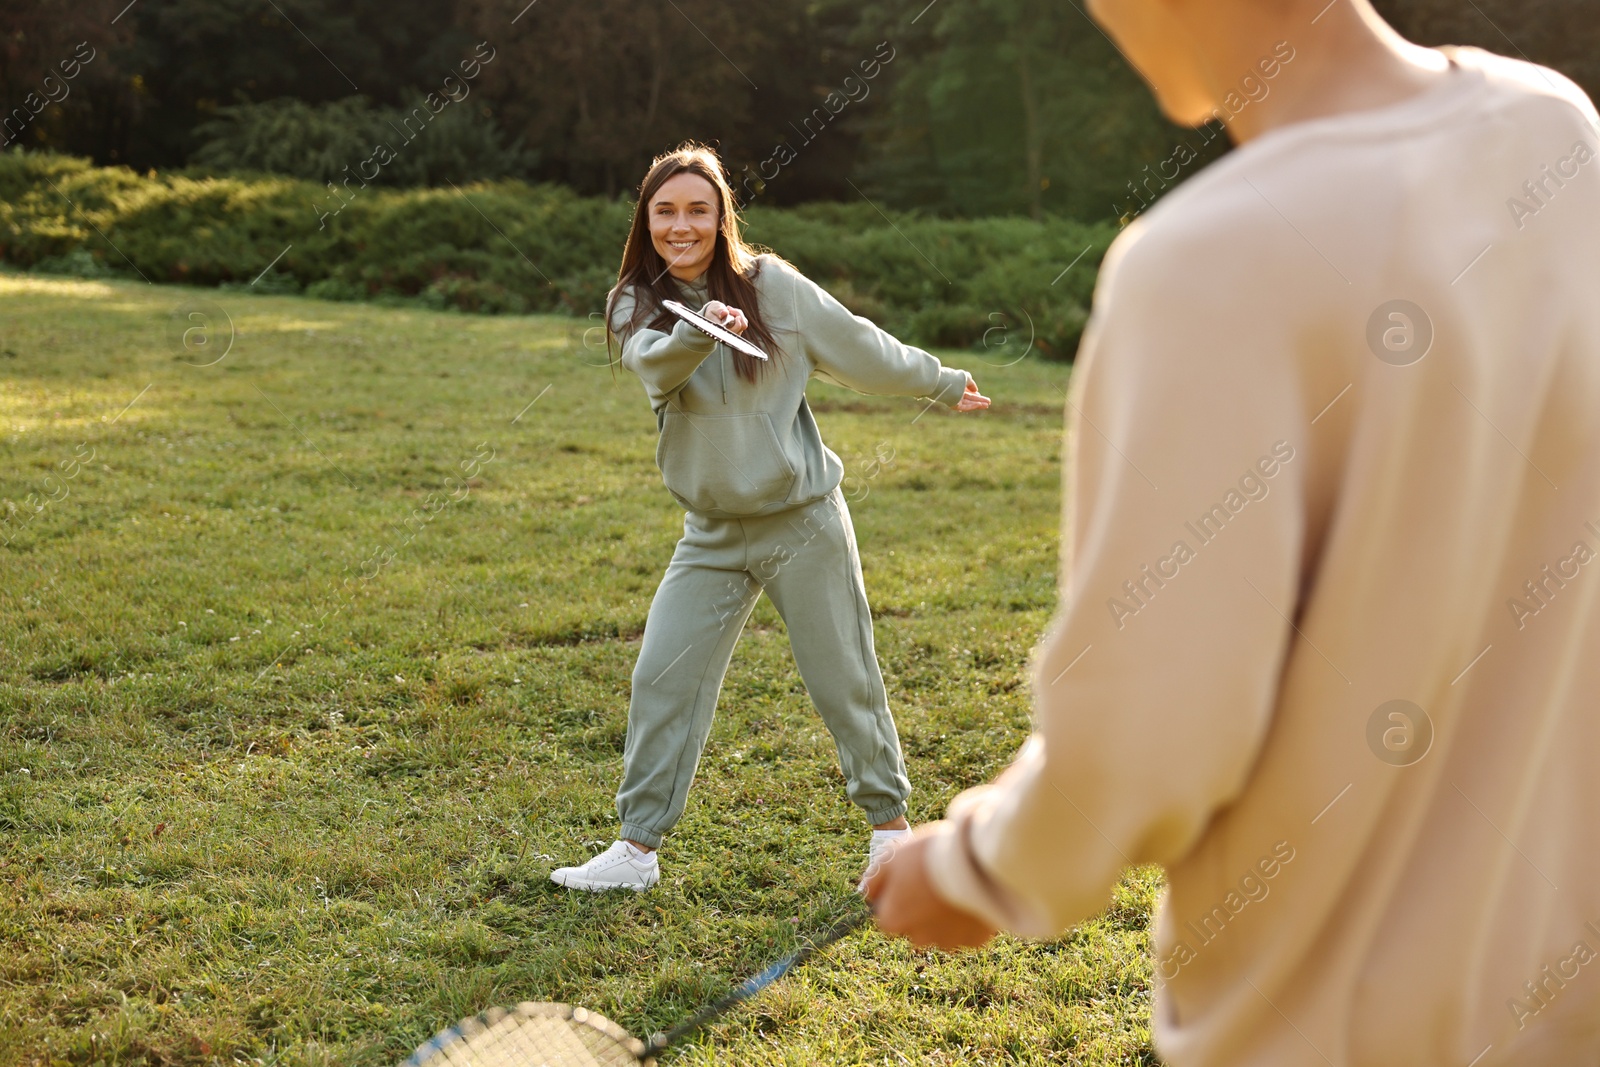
(1003, 284)
(329, 142)
(982, 107)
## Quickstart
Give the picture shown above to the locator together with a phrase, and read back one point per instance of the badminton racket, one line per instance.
(563, 1035)
(711, 329)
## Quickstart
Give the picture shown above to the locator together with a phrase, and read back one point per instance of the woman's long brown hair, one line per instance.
(729, 278)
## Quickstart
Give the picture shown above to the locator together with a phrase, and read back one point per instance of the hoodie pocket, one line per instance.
(727, 463)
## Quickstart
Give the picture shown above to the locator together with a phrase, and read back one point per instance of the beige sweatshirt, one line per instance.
(1329, 640)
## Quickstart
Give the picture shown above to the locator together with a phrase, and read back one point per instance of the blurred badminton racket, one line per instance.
(563, 1035)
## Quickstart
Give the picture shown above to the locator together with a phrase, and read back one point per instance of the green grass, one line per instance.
(285, 755)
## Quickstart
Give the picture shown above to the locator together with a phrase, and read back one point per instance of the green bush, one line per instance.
(508, 247)
(330, 142)
(949, 282)
(79, 263)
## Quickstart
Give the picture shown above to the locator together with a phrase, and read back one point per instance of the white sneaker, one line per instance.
(622, 866)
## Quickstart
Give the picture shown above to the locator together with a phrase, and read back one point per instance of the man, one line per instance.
(1331, 567)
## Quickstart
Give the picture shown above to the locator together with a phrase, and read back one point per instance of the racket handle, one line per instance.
(751, 986)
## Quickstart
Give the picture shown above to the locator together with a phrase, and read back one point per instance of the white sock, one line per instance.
(638, 853)
(890, 835)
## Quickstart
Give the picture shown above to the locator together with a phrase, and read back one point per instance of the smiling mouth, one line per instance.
(682, 246)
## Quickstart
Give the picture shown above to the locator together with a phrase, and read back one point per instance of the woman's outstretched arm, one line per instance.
(851, 351)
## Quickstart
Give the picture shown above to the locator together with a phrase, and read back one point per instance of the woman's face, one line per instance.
(683, 224)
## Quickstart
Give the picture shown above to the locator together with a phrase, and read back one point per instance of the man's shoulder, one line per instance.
(1203, 225)
(1282, 180)
(1519, 81)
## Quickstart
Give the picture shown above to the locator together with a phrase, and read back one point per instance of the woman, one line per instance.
(739, 450)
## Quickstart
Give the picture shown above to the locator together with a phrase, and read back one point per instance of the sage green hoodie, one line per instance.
(730, 448)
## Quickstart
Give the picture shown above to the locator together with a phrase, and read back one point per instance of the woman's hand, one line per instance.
(729, 318)
(972, 400)
(903, 899)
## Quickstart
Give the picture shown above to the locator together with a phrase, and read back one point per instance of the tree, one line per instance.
(56, 66)
(601, 86)
(349, 139)
(176, 61)
(987, 106)
(1012, 106)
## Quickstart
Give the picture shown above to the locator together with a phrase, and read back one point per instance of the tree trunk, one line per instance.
(1033, 151)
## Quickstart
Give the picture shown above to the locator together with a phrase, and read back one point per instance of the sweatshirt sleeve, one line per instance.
(851, 351)
(1182, 534)
(663, 360)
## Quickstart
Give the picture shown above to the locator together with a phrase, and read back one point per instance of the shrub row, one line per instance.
(510, 247)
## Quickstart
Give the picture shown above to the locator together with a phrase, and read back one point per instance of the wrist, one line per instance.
(952, 386)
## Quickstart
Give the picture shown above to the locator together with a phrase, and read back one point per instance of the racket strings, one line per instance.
(531, 1035)
(561, 1035)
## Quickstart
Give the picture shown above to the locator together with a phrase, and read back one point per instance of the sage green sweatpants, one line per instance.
(805, 559)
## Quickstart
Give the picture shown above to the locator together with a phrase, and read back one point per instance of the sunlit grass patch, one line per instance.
(315, 660)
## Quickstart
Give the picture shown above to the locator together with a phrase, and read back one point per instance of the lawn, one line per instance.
(314, 659)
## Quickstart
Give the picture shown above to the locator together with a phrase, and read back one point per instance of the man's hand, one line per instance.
(903, 898)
